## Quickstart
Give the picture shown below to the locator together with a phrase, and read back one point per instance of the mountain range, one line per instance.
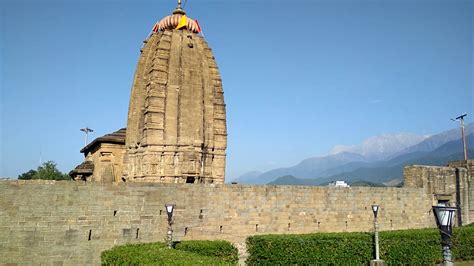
(377, 160)
(381, 147)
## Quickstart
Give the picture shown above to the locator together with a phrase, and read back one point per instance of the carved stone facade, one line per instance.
(176, 128)
(177, 122)
(103, 159)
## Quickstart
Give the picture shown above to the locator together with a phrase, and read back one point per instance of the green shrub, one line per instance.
(220, 249)
(412, 247)
(407, 247)
(311, 249)
(155, 254)
(463, 243)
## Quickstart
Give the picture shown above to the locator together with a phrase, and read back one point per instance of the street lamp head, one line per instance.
(375, 209)
(461, 116)
(169, 211)
(444, 215)
(86, 130)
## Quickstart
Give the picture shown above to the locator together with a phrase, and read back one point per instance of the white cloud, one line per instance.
(375, 101)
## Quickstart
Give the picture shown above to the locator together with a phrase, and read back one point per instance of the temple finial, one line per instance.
(178, 9)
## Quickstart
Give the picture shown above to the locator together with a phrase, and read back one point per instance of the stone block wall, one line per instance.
(445, 184)
(107, 160)
(71, 223)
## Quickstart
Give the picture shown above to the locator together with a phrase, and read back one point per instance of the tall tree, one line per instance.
(47, 171)
(28, 175)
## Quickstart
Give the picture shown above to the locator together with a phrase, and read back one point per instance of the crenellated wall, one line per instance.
(70, 223)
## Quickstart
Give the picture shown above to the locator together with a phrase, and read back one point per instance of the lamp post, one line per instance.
(444, 217)
(463, 135)
(86, 130)
(169, 235)
(375, 209)
(377, 261)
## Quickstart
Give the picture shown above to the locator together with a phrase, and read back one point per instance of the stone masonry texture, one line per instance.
(71, 223)
(451, 184)
(176, 129)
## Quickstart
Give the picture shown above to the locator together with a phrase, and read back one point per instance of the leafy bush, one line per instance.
(155, 254)
(463, 242)
(412, 247)
(220, 249)
(48, 170)
(311, 249)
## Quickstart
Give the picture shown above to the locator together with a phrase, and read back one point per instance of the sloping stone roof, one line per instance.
(86, 168)
(117, 137)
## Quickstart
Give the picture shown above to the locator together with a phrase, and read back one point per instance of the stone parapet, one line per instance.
(47, 222)
(445, 185)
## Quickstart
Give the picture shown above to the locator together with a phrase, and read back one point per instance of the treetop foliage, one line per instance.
(46, 171)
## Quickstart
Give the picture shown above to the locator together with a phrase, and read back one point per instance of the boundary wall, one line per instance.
(451, 185)
(71, 223)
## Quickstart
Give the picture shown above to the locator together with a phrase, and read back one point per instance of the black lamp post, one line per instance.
(444, 217)
(169, 211)
(375, 209)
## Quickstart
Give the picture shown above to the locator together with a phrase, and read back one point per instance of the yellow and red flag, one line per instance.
(182, 22)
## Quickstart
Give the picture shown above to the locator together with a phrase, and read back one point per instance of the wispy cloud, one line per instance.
(375, 101)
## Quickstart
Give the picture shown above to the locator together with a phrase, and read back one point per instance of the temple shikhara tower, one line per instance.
(176, 128)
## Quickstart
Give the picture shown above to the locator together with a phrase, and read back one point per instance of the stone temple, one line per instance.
(176, 133)
(176, 128)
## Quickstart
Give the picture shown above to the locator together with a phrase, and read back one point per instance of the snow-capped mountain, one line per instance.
(381, 147)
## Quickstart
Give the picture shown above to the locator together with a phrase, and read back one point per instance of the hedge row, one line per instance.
(463, 242)
(193, 253)
(311, 249)
(219, 248)
(413, 247)
(396, 247)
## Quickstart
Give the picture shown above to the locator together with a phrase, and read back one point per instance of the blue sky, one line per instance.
(299, 76)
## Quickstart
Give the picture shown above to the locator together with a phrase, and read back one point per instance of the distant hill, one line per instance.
(394, 183)
(390, 171)
(247, 177)
(291, 180)
(382, 169)
(393, 169)
(381, 147)
(437, 140)
(311, 167)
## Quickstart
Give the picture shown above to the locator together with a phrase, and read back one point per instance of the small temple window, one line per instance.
(190, 179)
